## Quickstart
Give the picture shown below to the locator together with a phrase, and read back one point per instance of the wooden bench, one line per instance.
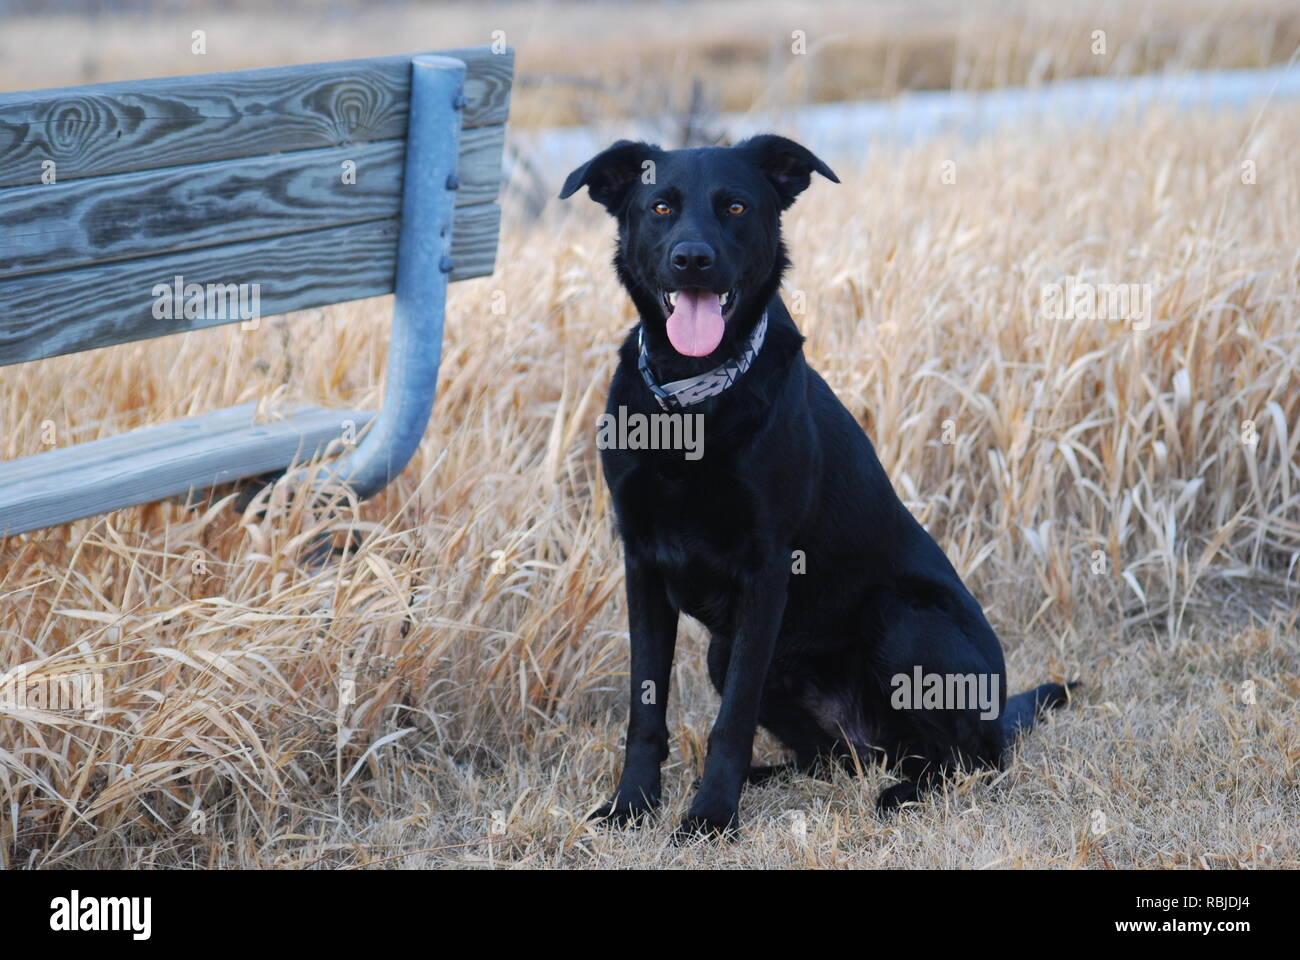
(239, 183)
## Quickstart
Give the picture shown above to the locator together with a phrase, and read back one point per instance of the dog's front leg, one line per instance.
(652, 624)
(714, 811)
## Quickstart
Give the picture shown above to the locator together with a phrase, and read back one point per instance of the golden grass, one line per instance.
(481, 615)
(579, 61)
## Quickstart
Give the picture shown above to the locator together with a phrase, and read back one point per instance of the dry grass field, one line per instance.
(1125, 502)
(580, 60)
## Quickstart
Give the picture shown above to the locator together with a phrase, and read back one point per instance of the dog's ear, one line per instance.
(786, 164)
(609, 174)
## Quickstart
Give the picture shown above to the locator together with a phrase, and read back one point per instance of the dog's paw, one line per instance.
(621, 813)
(895, 797)
(713, 828)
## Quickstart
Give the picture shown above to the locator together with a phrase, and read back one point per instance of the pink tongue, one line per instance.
(695, 327)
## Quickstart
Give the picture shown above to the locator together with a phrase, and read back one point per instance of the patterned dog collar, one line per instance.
(683, 393)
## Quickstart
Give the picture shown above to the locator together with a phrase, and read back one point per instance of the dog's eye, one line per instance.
(736, 208)
(662, 209)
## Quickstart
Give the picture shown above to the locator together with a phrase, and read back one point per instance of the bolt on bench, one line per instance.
(305, 186)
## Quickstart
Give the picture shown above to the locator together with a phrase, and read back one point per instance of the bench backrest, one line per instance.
(227, 178)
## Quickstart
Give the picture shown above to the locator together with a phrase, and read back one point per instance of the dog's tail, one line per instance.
(1023, 710)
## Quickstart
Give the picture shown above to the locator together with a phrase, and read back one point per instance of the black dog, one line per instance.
(825, 599)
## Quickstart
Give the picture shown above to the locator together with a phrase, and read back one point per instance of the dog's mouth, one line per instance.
(697, 318)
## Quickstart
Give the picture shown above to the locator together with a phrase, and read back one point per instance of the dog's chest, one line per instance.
(697, 528)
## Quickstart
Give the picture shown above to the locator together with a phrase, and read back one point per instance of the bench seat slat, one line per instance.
(116, 445)
(139, 467)
(147, 124)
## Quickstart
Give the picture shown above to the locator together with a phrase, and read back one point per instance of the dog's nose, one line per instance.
(692, 257)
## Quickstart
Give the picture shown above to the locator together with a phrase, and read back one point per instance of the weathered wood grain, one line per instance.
(479, 167)
(119, 445)
(80, 222)
(147, 124)
(50, 314)
(474, 241)
(144, 465)
(138, 214)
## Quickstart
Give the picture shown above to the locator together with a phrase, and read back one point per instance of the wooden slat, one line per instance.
(138, 214)
(474, 241)
(140, 469)
(479, 164)
(147, 124)
(120, 444)
(50, 314)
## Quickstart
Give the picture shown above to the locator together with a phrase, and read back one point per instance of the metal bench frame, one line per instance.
(172, 459)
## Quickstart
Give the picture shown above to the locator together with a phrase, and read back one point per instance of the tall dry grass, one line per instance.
(578, 61)
(479, 611)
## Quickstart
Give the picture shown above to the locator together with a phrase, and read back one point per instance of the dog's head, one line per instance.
(699, 231)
